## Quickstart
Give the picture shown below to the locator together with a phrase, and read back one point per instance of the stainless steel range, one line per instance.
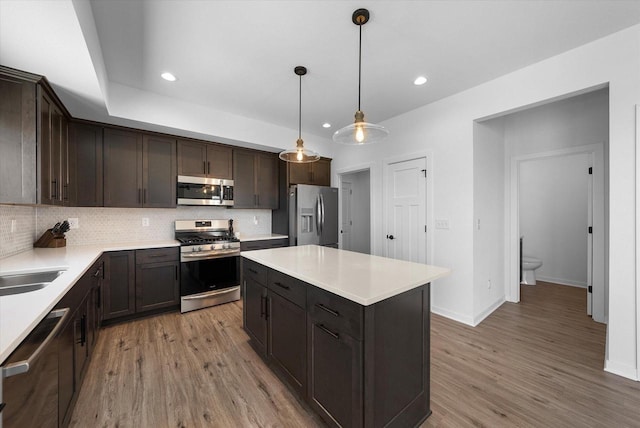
(210, 263)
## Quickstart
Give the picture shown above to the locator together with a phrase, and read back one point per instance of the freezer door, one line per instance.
(329, 216)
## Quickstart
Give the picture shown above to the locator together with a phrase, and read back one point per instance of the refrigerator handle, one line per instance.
(318, 215)
(322, 213)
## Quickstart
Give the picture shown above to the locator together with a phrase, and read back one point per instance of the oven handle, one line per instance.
(210, 254)
(210, 294)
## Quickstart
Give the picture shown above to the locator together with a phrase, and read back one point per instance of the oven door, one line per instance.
(208, 282)
(204, 191)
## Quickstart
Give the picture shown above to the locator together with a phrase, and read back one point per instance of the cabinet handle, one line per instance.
(208, 167)
(176, 272)
(329, 332)
(204, 167)
(262, 306)
(324, 308)
(83, 330)
(65, 192)
(253, 271)
(266, 307)
(281, 285)
(97, 274)
(53, 189)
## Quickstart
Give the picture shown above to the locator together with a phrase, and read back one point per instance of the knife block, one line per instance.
(51, 240)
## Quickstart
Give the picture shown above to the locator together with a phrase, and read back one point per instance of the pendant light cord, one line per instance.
(300, 110)
(359, 64)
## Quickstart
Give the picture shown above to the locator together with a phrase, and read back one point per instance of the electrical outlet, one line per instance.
(442, 223)
(13, 225)
(145, 221)
(74, 223)
(255, 219)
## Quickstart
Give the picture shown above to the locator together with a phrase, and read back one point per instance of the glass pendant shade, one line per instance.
(360, 132)
(299, 154)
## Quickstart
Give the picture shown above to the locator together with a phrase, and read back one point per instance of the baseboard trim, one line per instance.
(624, 370)
(464, 319)
(488, 311)
(562, 281)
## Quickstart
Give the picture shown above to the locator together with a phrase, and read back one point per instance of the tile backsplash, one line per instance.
(24, 229)
(105, 225)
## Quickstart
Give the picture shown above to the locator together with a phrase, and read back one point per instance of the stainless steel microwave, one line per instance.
(204, 191)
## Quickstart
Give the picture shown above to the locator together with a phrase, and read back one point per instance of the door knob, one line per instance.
(390, 237)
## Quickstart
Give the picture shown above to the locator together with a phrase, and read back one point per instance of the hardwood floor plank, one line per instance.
(538, 363)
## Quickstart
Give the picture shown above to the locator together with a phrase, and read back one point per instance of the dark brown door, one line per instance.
(64, 161)
(299, 173)
(122, 168)
(255, 312)
(85, 165)
(66, 379)
(157, 286)
(335, 375)
(159, 172)
(267, 181)
(192, 158)
(81, 345)
(321, 172)
(219, 162)
(244, 180)
(288, 339)
(45, 152)
(118, 287)
(94, 305)
(18, 137)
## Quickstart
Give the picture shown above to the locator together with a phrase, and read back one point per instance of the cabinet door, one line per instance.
(122, 168)
(299, 173)
(335, 373)
(255, 312)
(56, 155)
(18, 137)
(321, 172)
(244, 179)
(157, 286)
(45, 152)
(219, 162)
(80, 338)
(288, 339)
(94, 305)
(66, 378)
(159, 172)
(267, 181)
(118, 288)
(85, 165)
(192, 158)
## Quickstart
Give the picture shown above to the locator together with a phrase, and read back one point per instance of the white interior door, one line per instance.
(406, 211)
(347, 221)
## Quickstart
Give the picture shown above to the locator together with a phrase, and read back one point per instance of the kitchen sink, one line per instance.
(25, 282)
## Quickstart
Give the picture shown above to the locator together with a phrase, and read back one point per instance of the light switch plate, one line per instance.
(145, 221)
(442, 223)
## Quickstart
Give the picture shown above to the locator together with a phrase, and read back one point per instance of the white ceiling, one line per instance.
(238, 56)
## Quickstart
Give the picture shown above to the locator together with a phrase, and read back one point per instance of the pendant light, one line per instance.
(360, 132)
(299, 154)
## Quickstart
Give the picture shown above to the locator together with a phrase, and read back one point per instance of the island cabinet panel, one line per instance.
(366, 365)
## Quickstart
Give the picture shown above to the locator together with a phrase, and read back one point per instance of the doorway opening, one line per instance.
(355, 211)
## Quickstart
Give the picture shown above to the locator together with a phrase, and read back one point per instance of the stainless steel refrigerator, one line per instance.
(313, 215)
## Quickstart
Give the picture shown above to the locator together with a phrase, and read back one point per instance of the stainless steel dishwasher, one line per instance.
(29, 377)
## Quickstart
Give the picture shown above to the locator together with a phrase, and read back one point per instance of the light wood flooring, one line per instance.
(534, 364)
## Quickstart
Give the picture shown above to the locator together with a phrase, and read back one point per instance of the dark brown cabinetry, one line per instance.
(52, 149)
(199, 159)
(261, 244)
(139, 170)
(139, 281)
(77, 338)
(118, 291)
(317, 173)
(365, 365)
(255, 177)
(17, 138)
(157, 283)
(85, 165)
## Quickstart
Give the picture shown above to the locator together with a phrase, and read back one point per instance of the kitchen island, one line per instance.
(349, 332)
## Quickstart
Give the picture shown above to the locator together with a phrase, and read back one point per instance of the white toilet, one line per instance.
(529, 265)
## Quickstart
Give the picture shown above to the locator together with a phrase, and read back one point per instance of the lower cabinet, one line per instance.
(77, 338)
(138, 281)
(255, 315)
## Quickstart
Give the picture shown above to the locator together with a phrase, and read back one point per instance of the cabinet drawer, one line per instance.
(263, 244)
(335, 312)
(288, 287)
(254, 270)
(157, 255)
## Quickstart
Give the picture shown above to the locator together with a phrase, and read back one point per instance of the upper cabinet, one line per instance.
(139, 170)
(17, 138)
(199, 159)
(255, 179)
(52, 149)
(317, 173)
(85, 165)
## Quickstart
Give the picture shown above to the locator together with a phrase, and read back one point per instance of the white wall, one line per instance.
(554, 216)
(445, 128)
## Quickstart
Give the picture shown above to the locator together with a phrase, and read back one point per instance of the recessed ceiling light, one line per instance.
(168, 76)
(420, 80)
(326, 125)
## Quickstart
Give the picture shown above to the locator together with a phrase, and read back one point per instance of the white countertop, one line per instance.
(264, 237)
(20, 313)
(361, 278)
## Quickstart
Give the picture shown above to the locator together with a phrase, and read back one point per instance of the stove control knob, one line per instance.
(213, 247)
(199, 249)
